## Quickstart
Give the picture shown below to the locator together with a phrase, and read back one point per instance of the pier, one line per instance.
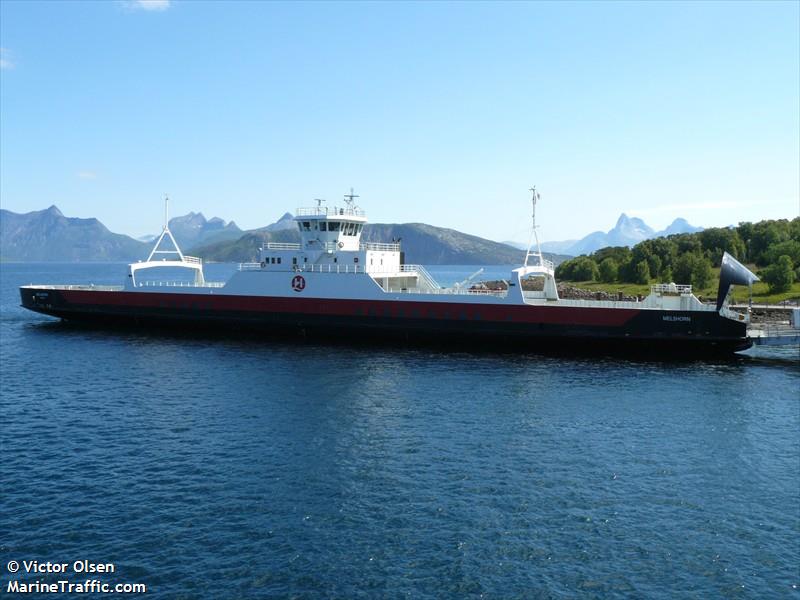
(774, 325)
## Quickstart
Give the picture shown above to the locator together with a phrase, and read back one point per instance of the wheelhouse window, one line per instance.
(333, 226)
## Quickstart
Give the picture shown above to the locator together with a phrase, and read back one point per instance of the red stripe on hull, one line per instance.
(554, 315)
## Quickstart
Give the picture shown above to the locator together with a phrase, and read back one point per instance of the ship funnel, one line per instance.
(732, 272)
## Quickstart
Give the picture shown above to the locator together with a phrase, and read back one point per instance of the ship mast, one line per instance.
(166, 233)
(349, 199)
(534, 236)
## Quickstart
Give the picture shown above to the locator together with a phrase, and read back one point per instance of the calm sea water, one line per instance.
(225, 468)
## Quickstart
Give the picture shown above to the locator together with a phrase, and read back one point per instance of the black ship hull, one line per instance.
(539, 328)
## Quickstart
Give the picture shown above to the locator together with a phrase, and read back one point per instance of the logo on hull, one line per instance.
(298, 283)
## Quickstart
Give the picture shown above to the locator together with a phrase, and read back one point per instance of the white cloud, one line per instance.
(5, 59)
(149, 5)
(86, 175)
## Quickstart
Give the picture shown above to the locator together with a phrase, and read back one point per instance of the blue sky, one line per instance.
(439, 112)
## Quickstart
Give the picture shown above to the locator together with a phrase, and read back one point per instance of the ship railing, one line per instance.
(78, 286)
(536, 260)
(207, 284)
(422, 274)
(371, 246)
(773, 330)
(306, 268)
(449, 292)
(584, 303)
(324, 246)
(330, 211)
(330, 268)
(283, 246)
(250, 266)
(670, 288)
(194, 260)
(379, 247)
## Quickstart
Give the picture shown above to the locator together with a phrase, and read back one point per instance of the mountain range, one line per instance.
(47, 235)
(194, 229)
(628, 231)
(50, 236)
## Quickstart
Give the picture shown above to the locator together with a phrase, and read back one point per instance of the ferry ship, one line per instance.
(333, 284)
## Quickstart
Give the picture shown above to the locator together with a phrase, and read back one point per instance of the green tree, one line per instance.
(620, 254)
(666, 275)
(608, 270)
(642, 272)
(683, 269)
(790, 248)
(565, 269)
(766, 234)
(718, 240)
(585, 269)
(582, 268)
(654, 262)
(666, 250)
(745, 231)
(701, 272)
(687, 242)
(780, 275)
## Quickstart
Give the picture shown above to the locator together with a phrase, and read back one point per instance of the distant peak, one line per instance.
(53, 210)
(623, 218)
(190, 216)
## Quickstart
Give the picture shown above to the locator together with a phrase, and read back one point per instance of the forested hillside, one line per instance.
(773, 247)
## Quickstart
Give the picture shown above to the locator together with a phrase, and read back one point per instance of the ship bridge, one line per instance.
(331, 243)
(322, 227)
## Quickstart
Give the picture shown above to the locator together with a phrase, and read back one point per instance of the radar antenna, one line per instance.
(534, 236)
(319, 201)
(350, 198)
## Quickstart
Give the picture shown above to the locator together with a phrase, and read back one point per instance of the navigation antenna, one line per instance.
(319, 201)
(534, 236)
(349, 198)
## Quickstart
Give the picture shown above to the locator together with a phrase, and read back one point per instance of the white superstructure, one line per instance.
(331, 243)
(331, 262)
